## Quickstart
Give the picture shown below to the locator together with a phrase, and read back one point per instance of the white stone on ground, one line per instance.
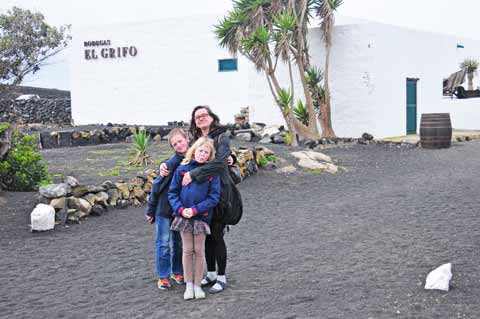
(439, 278)
(55, 190)
(42, 217)
(316, 156)
(270, 131)
(315, 160)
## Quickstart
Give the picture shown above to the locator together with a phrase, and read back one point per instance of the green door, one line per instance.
(411, 106)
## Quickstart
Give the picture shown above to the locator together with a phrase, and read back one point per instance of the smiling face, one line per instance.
(179, 143)
(203, 120)
(202, 153)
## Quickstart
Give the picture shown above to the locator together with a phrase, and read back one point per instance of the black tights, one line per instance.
(215, 249)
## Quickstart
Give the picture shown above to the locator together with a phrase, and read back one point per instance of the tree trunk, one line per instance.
(286, 117)
(295, 126)
(325, 110)
(470, 80)
(304, 131)
(312, 121)
(5, 140)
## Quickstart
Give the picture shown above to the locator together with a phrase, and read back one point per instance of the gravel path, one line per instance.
(353, 245)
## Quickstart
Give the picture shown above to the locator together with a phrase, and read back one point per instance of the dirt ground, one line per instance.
(358, 244)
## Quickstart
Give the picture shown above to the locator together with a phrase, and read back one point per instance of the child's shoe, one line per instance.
(199, 293)
(179, 279)
(188, 294)
(164, 284)
(207, 281)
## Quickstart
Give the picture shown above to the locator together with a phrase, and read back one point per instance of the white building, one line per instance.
(157, 71)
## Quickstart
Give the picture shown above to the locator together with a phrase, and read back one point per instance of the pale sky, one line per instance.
(454, 17)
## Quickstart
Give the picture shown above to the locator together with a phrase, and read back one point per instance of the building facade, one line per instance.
(156, 71)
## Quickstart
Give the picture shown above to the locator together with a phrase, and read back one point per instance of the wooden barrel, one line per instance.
(435, 130)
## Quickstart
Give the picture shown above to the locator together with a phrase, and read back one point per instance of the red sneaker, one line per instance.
(164, 284)
(179, 279)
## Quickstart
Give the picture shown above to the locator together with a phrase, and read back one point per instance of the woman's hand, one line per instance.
(164, 170)
(187, 213)
(229, 160)
(187, 179)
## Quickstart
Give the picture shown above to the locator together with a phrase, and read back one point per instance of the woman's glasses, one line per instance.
(201, 116)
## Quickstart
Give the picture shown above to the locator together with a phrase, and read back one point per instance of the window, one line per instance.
(226, 65)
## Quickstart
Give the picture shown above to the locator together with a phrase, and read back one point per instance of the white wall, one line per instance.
(174, 70)
(400, 53)
(369, 66)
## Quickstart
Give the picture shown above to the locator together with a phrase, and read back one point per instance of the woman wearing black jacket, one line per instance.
(206, 123)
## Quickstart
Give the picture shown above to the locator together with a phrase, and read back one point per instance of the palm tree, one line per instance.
(325, 10)
(314, 78)
(254, 28)
(470, 66)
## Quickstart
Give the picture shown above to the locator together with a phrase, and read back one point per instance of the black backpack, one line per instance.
(229, 210)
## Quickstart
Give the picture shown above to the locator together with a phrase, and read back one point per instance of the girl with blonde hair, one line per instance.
(192, 206)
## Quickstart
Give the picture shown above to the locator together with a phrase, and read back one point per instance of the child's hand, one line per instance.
(164, 170)
(149, 218)
(187, 213)
(186, 179)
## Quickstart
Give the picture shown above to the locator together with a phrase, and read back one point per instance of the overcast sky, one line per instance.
(455, 17)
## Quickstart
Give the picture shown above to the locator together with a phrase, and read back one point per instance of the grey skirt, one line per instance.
(194, 226)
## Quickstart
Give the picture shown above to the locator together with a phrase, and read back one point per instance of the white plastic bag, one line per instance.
(439, 278)
(42, 217)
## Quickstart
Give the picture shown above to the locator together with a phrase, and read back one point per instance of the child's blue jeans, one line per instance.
(168, 249)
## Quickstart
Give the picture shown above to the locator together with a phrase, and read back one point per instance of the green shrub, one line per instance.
(264, 160)
(4, 126)
(141, 144)
(23, 168)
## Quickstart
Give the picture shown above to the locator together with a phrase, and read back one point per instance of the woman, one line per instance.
(207, 124)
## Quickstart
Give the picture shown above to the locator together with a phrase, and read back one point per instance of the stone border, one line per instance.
(99, 135)
(73, 201)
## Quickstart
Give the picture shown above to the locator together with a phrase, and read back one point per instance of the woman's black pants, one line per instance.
(215, 249)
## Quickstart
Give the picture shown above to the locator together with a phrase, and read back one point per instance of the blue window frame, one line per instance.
(227, 65)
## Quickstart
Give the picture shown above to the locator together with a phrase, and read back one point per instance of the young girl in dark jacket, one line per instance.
(192, 206)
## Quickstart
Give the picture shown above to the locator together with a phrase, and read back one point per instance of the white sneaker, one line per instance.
(199, 293)
(188, 294)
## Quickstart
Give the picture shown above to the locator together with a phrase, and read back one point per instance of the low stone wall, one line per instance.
(73, 201)
(45, 111)
(99, 135)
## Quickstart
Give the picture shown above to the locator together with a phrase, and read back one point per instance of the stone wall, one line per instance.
(12, 92)
(99, 134)
(45, 111)
(74, 201)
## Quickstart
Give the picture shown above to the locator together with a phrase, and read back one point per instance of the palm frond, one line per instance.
(285, 100)
(141, 144)
(283, 36)
(229, 31)
(256, 47)
(470, 65)
(314, 77)
(301, 112)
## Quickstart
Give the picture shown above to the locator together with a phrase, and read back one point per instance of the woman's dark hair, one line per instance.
(194, 130)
